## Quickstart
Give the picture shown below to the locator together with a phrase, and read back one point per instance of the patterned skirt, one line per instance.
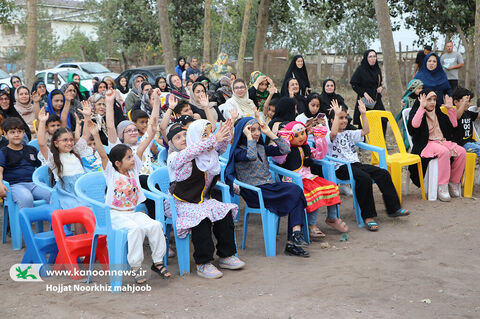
(320, 192)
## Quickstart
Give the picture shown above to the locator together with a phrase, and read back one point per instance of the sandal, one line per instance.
(315, 232)
(337, 224)
(160, 269)
(139, 277)
(400, 212)
(372, 226)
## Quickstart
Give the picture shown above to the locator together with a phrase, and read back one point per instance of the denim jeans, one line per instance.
(331, 215)
(472, 148)
(23, 194)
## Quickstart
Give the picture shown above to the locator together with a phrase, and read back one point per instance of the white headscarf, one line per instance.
(244, 105)
(207, 161)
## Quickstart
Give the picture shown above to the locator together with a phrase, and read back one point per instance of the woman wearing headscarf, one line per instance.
(433, 77)
(328, 95)
(61, 106)
(224, 92)
(180, 67)
(176, 87)
(161, 83)
(293, 91)
(135, 94)
(24, 106)
(297, 70)
(83, 91)
(122, 88)
(39, 92)
(198, 97)
(8, 110)
(16, 82)
(239, 105)
(75, 104)
(261, 90)
(367, 83)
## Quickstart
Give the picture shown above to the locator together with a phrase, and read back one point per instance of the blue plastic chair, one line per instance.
(41, 178)
(38, 245)
(351, 180)
(159, 182)
(34, 143)
(91, 188)
(11, 216)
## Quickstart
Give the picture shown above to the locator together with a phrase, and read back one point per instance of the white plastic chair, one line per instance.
(431, 174)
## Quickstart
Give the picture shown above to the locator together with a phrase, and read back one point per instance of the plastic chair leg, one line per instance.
(117, 250)
(269, 220)
(396, 174)
(422, 182)
(93, 252)
(306, 233)
(183, 254)
(432, 177)
(245, 228)
(358, 211)
(469, 174)
(5, 224)
(15, 230)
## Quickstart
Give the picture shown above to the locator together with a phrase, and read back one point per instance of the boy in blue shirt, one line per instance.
(17, 164)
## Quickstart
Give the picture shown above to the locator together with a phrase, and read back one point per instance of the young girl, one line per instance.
(342, 146)
(121, 169)
(65, 160)
(430, 130)
(194, 169)
(318, 191)
(248, 163)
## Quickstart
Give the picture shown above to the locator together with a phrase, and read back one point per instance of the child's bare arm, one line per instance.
(110, 119)
(41, 134)
(151, 131)
(92, 128)
(3, 188)
(337, 109)
(363, 114)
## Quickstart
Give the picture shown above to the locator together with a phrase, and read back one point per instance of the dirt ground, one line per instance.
(426, 265)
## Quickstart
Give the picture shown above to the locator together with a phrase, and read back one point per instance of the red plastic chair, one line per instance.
(72, 247)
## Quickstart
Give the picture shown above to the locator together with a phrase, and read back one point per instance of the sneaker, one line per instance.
(232, 262)
(293, 250)
(208, 271)
(454, 189)
(345, 189)
(443, 193)
(298, 240)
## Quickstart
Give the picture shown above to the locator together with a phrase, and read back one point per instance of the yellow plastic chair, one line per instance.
(35, 125)
(396, 161)
(469, 173)
(129, 115)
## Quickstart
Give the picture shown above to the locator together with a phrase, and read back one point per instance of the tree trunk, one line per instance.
(125, 61)
(165, 36)
(477, 49)
(468, 55)
(390, 63)
(206, 33)
(31, 45)
(243, 39)
(261, 34)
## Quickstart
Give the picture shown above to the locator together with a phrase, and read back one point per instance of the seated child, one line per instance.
(342, 146)
(318, 191)
(432, 132)
(248, 163)
(121, 169)
(53, 123)
(194, 169)
(463, 134)
(17, 164)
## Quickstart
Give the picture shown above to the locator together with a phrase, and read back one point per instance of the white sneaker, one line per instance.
(443, 193)
(454, 189)
(345, 189)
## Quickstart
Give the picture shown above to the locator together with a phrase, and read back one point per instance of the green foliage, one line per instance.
(439, 16)
(6, 11)
(186, 26)
(78, 45)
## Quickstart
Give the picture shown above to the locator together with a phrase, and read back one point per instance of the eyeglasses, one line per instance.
(132, 131)
(239, 87)
(66, 140)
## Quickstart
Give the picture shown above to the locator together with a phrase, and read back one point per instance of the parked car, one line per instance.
(92, 68)
(5, 78)
(48, 76)
(151, 72)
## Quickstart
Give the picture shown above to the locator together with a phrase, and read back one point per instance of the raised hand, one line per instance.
(247, 132)
(86, 109)
(423, 101)
(265, 129)
(203, 100)
(172, 101)
(43, 115)
(361, 107)
(335, 107)
(92, 127)
(234, 114)
(152, 128)
(223, 133)
(272, 89)
(448, 101)
(36, 97)
(109, 97)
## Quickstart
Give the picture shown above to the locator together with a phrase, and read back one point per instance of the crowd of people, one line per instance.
(122, 130)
